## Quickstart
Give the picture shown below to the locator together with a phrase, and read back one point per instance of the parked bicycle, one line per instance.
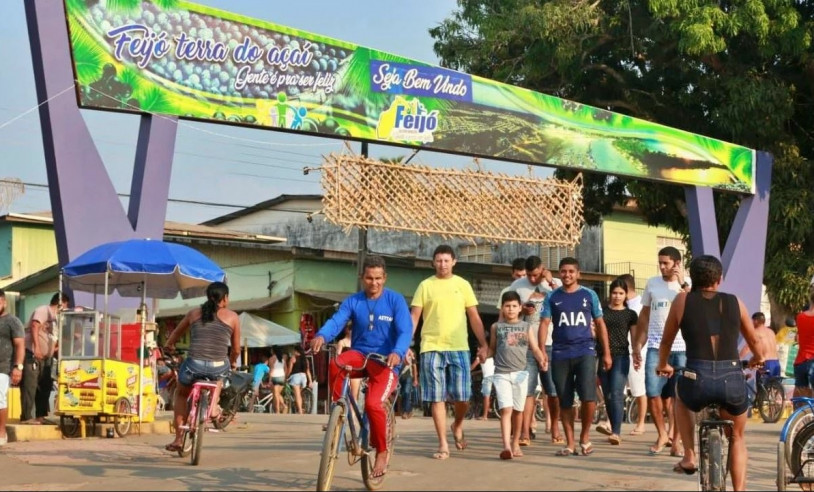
(795, 449)
(349, 424)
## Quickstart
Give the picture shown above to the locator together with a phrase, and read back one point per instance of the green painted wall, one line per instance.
(628, 239)
(5, 250)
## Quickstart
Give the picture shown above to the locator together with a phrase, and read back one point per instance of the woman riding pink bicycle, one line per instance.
(212, 328)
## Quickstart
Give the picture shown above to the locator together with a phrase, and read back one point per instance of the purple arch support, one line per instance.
(82, 195)
(745, 250)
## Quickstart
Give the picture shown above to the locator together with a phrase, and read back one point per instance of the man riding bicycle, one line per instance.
(381, 324)
(212, 328)
(710, 322)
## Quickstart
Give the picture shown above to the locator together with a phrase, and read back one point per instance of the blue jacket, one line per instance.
(392, 327)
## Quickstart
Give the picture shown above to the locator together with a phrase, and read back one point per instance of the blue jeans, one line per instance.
(613, 386)
(654, 384)
(406, 395)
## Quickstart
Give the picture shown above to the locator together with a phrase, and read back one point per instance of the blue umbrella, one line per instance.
(137, 267)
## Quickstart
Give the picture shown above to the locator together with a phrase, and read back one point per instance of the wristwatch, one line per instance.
(19, 367)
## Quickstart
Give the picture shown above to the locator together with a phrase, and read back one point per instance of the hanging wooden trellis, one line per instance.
(470, 204)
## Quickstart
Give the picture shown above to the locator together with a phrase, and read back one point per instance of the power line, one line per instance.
(173, 200)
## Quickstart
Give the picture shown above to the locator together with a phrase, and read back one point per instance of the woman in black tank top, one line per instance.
(710, 322)
(213, 349)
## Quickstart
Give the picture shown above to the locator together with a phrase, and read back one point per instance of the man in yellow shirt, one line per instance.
(446, 301)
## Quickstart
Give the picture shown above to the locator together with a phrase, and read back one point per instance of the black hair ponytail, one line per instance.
(215, 293)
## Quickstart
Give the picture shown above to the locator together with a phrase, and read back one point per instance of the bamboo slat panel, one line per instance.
(470, 204)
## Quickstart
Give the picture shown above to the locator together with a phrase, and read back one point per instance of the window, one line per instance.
(476, 253)
(551, 255)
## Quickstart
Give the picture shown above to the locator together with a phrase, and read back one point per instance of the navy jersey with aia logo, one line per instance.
(571, 316)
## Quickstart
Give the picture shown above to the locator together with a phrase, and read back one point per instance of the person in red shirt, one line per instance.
(804, 363)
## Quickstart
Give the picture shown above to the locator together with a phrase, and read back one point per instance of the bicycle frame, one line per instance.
(194, 399)
(713, 422)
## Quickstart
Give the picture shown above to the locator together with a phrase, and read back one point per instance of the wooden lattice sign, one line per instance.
(470, 204)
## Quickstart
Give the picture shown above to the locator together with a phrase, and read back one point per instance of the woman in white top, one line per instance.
(277, 376)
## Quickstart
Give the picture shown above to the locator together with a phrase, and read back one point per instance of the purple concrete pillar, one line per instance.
(744, 254)
(86, 209)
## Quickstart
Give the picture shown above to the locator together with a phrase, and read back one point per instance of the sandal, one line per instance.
(440, 455)
(587, 448)
(615, 440)
(174, 448)
(506, 455)
(679, 468)
(558, 440)
(604, 429)
(524, 442)
(565, 452)
(460, 444)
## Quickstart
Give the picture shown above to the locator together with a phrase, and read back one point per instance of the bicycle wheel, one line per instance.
(330, 446)
(714, 465)
(307, 400)
(802, 452)
(123, 418)
(799, 420)
(539, 409)
(227, 415)
(771, 400)
(368, 460)
(197, 434)
(186, 447)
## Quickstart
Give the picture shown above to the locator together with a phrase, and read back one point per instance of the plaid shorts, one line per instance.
(445, 374)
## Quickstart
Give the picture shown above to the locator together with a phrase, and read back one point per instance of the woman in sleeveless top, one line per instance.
(299, 376)
(213, 329)
(710, 322)
(277, 377)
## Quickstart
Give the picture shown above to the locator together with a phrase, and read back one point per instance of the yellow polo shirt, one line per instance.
(443, 302)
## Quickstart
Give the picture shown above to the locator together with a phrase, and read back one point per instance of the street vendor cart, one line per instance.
(106, 374)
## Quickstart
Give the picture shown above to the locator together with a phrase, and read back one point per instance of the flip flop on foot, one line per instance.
(558, 440)
(460, 444)
(587, 448)
(440, 455)
(506, 454)
(637, 432)
(565, 452)
(679, 468)
(615, 440)
(604, 429)
(173, 447)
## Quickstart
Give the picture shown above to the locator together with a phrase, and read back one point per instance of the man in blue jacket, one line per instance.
(381, 324)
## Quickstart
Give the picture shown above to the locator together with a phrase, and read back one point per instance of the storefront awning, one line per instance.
(237, 306)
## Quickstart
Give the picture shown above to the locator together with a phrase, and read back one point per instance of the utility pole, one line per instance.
(362, 235)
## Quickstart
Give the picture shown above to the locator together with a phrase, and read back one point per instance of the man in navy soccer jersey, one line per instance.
(576, 312)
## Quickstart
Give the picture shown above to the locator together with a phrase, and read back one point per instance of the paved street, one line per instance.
(271, 452)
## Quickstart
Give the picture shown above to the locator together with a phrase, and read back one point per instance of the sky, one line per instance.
(218, 164)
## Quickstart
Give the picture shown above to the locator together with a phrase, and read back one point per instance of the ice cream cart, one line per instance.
(105, 372)
(98, 374)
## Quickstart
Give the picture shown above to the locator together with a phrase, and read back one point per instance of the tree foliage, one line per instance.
(738, 70)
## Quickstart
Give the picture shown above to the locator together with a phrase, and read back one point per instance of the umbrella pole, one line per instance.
(141, 354)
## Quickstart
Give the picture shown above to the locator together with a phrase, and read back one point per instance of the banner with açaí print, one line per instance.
(177, 58)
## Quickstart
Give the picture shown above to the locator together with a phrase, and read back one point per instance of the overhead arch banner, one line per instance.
(176, 58)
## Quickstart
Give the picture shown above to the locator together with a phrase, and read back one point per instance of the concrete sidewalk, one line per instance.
(50, 430)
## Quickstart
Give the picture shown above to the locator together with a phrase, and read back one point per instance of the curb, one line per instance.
(46, 432)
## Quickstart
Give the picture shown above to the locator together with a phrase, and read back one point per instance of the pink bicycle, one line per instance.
(199, 416)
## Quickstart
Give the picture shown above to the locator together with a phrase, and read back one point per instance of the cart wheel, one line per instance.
(123, 418)
(69, 426)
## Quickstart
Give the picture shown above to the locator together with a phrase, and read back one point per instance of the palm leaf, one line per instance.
(123, 5)
(76, 6)
(166, 4)
(88, 56)
(153, 100)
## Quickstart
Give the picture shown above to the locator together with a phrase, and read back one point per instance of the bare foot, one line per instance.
(380, 466)
(517, 453)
